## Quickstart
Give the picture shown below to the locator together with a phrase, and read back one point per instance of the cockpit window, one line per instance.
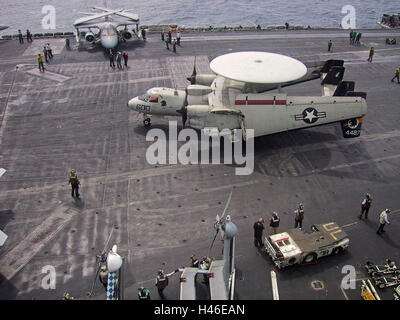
(144, 97)
(153, 99)
(108, 31)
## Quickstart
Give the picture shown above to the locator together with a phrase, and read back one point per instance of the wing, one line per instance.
(81, 21)
(224, 94)
(131, 16)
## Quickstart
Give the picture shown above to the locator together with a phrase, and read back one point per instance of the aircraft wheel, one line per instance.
(147, 122)
(311, 257)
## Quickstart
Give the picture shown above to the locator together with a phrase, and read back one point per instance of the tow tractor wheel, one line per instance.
(337, 250)
(311, 257)
(147, 122)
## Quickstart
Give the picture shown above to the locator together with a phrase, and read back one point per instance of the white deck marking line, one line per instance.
(21, 254)
(48, 75)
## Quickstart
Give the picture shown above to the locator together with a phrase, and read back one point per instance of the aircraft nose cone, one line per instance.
(131, 103)
(109, 42)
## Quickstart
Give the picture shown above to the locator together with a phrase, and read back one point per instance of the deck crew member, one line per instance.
(205, 265)
(74, 182)
(397, 75)
(40, 62)
(103, 276)
(194, 262)
(143, 293)
(329, 45)
(20, 37)
(174, 45)
(383, 219)
(111, 57)
(371, 54)
(274, 223)
(258, 231)
(299, 216)
(365, 205)
(161, 283)
(46, 54)
(167, 41)
(125, 56)
(28, 36)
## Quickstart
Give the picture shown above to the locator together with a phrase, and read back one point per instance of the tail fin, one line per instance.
(352, 128)
(331, 63)
(331, 80)
(343, 88)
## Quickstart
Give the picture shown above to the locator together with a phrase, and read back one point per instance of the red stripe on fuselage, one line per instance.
(259, 102)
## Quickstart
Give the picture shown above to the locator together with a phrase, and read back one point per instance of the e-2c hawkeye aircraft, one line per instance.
(237, 97)
(107, 27)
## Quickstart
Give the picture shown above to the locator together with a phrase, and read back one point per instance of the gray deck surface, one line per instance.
(75, 116)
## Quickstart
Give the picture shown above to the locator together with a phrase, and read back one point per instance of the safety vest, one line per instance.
(299, 214)
(162, 281)
(40, 58)
(275, 221)
(366, 203)
(144, 295)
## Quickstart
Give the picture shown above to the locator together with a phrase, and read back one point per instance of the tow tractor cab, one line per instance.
(161, 101)
(297, 247)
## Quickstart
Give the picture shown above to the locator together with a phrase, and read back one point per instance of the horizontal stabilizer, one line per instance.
(351, 128)
(334, 76)
(343, 88)
(357, 94)
(331, 63)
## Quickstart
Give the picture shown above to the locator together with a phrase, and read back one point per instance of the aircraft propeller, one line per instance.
(218, 224)
(183, 110)
(101, 259)
(192, 78)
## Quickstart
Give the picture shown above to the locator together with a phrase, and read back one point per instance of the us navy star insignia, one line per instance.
(310, 115)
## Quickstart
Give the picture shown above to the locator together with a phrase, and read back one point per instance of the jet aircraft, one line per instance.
(236, 96)
(107, 27)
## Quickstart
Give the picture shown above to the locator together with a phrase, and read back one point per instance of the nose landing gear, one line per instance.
(146, 121)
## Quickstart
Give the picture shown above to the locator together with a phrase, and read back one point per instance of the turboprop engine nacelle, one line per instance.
(198, 94)
(200, 116)
(127, 34)
(204, 79)
(89, 37)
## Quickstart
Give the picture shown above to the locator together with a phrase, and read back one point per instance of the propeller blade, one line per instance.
(107, 242)
(95, 278)
(192, 78)
(227, 204)
(212, 243)
(101, 259)
(183, 110)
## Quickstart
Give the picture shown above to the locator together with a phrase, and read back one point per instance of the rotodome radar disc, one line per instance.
(258, 67)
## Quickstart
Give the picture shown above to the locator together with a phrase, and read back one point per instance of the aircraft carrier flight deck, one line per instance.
(75, 115)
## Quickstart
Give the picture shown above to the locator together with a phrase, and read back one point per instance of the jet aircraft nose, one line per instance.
(109, 42)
